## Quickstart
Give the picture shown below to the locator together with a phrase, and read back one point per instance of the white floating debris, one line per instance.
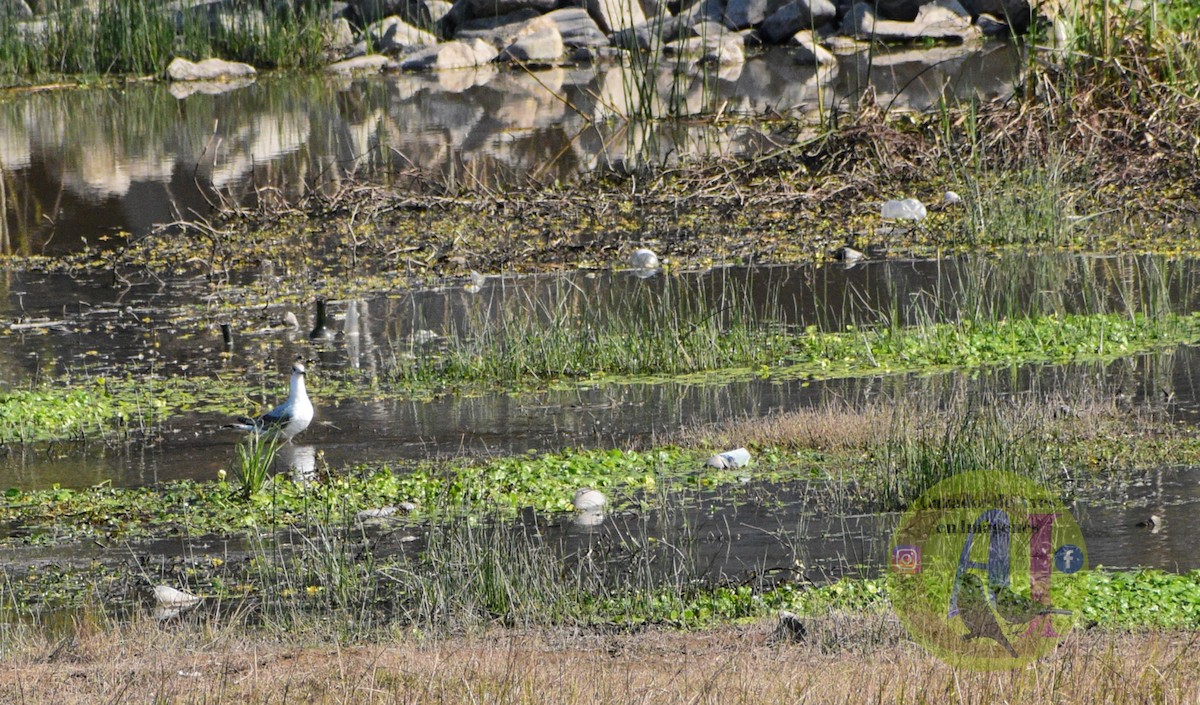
(589, 500)
(377, 513)
(424, 336)
(477, 282)
(735, 458)
(594, 517)
(171, 597)
(907, 209)
(32, 325)
(643, 259)
(848, 254)
(950, 198)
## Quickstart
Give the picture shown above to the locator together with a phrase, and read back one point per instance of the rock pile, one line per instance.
(375, 35)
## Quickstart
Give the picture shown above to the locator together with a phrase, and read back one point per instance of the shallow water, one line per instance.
(162, 329)
(76, 166)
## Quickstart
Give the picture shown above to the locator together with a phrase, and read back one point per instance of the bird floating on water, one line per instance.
(289, 418)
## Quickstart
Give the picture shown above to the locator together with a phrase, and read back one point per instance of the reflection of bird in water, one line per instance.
(289, 418)
(976, 612)
(321, 331)
(1018, 609)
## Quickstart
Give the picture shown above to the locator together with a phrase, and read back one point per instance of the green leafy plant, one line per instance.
(253, 463)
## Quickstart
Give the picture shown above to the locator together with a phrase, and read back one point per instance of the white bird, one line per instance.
(289, 418)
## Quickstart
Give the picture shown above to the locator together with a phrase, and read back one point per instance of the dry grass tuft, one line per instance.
(142, 663)
(839, 425)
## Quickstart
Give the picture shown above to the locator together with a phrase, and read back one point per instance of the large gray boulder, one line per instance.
(464, 11)
(339, 35)
(902, 10)
(725, 53)
(450, 55)
(614, 15)
(373, 63)
(208, 70)
(806, 49)
(15, 10)
(659, 30)
(577, 28)
(539, 42)
(367, 12)
(740, 14)
(941, 20)
(394, 35)
(498, 30)
(783, 24)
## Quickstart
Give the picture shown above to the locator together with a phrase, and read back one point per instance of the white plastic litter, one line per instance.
(643, 259)
(907, 209)
(171, 597)
(589, 500)
(736, 458)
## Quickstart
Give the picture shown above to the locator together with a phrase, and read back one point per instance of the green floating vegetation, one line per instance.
(1139, 599)
(498, 488)
(617, 349)
(685, 341)
(1136, 599)
(55, 413)
(108, 409)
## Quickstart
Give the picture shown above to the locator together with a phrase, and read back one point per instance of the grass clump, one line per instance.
(253, 462)
(142, 36)
(670, 342)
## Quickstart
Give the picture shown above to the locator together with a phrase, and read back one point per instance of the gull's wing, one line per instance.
(279, 416)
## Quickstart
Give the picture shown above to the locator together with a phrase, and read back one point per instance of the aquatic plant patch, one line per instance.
(498, 488)
(692, 349)
(615, 351)
(77, 413)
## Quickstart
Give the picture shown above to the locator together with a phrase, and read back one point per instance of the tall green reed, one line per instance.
(142, 36)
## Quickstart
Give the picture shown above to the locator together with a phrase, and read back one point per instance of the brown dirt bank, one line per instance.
(736, 664)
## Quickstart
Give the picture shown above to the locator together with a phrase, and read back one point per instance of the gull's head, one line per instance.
(298, 369)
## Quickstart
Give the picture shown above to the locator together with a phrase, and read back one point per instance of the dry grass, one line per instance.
(1087, 413)
(738, 664)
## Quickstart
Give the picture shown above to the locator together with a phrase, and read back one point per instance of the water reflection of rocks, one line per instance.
(137, 157)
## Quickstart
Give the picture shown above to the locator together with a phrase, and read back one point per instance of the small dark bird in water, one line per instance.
(1018, 609)
(977, 614)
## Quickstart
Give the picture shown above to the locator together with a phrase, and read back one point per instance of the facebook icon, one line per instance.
(1068, 558)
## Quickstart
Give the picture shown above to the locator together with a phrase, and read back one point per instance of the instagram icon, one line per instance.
(906, 560)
